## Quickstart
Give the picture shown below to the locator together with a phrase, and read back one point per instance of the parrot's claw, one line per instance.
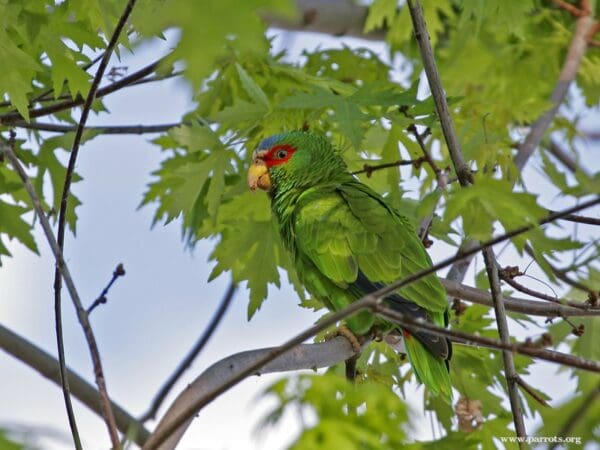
(344, 331)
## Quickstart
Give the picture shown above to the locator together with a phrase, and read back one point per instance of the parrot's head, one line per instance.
(297, 159)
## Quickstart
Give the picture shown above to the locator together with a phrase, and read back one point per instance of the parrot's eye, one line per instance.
(281, 154)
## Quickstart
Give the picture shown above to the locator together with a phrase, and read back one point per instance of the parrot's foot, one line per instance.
(343, 330)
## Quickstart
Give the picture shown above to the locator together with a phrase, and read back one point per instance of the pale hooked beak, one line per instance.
(258, 172)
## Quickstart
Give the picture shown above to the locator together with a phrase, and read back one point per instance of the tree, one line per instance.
(505, 80)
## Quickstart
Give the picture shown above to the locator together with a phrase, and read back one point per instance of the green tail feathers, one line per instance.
(429, 370)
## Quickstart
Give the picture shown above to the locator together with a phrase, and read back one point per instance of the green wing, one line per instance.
(341, 230)
(346, 228)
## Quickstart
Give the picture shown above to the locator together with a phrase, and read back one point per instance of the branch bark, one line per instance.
(304, 356)
(463, 171)
(519, 305)
(510, 372)
(104, 129)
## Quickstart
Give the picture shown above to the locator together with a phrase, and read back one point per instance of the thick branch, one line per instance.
(304, 356)
(504, 333)
(216, 379)
(48, 366)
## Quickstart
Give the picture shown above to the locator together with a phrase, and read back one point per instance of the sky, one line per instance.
(159, 308)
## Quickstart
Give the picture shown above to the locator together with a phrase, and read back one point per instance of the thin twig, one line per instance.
(526, 348)
(562, 156)
(574, 10)
(559, 273)
(10, 152)
(504, 333)
(569, 71)
(118, 272)
(63, 269)
(439, 173)
(369, 169)
(193, 353)
(371, 302)
(531, 391)
(103, 129)
(580, 219)
(12, 117)
(463, 171)
(82, 315)
(519, 287)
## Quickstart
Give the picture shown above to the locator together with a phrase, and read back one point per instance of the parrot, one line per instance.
(347, 241)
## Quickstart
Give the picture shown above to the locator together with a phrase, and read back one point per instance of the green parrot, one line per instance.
(346, 241)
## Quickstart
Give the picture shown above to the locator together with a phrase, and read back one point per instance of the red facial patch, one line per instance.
(278, 154)
(406, 334)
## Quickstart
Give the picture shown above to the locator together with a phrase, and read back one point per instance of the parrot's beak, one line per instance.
(258, 173)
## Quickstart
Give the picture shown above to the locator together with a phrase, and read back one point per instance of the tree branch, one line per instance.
(82, 314)
(519, 305)
(104, 129)
(579, 44)
(509, 364)
(524, 348)
(61, 267)
(559, 273)
(463, 171)
(369, 169)
(580, 219)
(48, 366)
(189, 358)
(562, 156)
(134, 78)
(303, 356)
(509, 279)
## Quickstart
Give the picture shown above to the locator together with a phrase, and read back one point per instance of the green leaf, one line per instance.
(240, 29)
(252, 89)
(251, 251)
(14, 227)
(381, 12)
